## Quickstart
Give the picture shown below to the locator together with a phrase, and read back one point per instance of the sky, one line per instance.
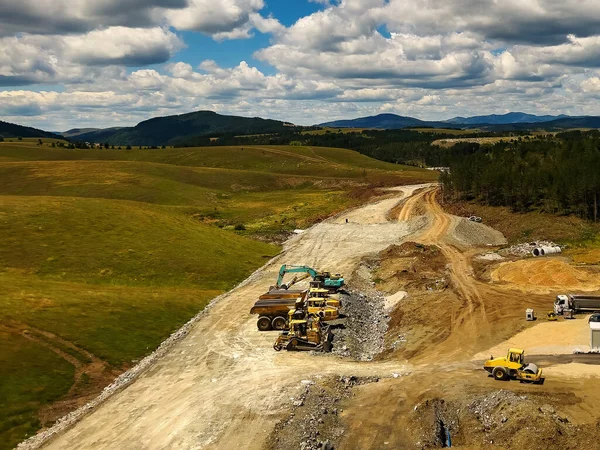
(103, 63)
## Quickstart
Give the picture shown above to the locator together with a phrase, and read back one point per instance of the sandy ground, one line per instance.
(547, 338)
(543, 275)
(224, 387)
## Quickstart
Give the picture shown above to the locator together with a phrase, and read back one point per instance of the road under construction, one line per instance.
(223, 386)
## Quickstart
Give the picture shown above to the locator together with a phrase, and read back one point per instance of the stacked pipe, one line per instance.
(544, 251)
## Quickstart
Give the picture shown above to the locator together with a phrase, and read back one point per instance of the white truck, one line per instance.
(576, 303)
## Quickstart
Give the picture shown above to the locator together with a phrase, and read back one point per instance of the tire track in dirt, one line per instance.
(470, 322)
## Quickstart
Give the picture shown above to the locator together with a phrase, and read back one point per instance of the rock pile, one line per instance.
(525, 249)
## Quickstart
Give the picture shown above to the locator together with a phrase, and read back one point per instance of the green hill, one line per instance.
(171, 130)
(11, 130)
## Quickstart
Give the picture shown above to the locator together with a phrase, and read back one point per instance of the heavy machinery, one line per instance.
(551, 316)
(332, 283)
(513, 367)
(306, 332)
(576, 303)
(273, 311)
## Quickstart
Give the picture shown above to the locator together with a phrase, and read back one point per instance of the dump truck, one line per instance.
(273, 311)
(306, 332)
(513, 367)
(576, 303)
(333, 283)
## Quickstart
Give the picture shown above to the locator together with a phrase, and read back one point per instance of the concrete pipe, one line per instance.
(537, 251)
(550, 251)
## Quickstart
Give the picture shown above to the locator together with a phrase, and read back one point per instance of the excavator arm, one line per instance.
(294, 269)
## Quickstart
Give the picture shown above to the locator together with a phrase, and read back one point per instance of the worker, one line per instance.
(346, 220)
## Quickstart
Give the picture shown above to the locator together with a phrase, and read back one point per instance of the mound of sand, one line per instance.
(544, 275)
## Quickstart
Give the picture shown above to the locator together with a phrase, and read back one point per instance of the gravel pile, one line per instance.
(314, 423)
(473, 233)
(361, 334)
(525, 249)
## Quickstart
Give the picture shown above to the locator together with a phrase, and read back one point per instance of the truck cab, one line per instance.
(561, 303)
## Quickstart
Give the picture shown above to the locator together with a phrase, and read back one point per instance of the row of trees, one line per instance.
(558, 175)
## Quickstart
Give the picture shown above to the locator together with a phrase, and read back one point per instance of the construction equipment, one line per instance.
(273, 311)
(306, 332)
(576, 303)
(513, 367)
(529, 314)
(333, 283)
(551, 316)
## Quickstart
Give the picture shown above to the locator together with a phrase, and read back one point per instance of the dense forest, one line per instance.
(558, 174)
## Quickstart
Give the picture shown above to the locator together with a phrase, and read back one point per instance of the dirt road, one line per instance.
(224, 387)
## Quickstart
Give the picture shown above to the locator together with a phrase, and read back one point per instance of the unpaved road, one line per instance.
(223, 384)
(224, 387)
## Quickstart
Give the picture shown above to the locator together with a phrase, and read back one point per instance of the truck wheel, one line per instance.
(499, 374)
(263, 323)
(279, 323)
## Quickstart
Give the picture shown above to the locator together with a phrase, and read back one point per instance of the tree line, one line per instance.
(558, 174)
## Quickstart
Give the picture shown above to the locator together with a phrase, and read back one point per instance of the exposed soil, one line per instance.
(222, 385)
(544, 275)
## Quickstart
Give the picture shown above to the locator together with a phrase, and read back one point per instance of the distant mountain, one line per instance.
(383, 121)
(94, 135)
(553, 125)
(76, 132)
(514, 120)
(512, 117)
(11, 130)
(184, 129)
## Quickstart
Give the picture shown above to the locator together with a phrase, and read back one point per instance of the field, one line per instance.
(106, 252)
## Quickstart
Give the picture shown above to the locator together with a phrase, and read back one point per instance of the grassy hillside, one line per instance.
(106, 252)
(171, 130)
(11, 130)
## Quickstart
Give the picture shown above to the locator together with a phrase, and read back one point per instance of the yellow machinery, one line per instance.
(306, 332)
(513, 367)
(273, 311)
(551, 316)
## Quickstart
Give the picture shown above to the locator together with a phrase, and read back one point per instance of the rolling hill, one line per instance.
(11, 130)
(179, 130)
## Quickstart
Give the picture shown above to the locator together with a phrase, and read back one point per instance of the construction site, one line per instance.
(392, 325)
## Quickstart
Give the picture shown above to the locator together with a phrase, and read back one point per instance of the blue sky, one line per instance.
(117, 62)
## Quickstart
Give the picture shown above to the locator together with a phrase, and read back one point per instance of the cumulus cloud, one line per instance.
(351, 57)
(30, 59)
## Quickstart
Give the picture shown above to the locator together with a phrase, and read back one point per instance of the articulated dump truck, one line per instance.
(273, 307)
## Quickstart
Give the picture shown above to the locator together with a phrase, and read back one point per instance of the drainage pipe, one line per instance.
(550, 251)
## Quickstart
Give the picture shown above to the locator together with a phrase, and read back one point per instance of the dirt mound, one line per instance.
(500, 418)
(545, 275)
(410, 266)
(314, 422)
(361, 334)
(473, 233)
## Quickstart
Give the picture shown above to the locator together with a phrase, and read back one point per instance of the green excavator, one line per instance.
(325, 280)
